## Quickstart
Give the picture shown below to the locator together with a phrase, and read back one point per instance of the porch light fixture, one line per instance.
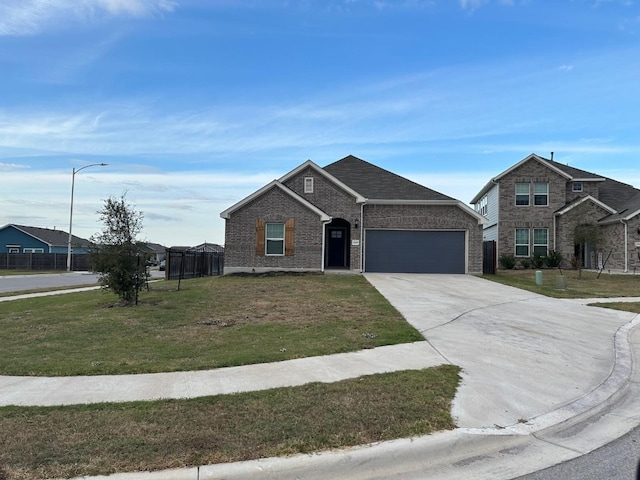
(355, 223)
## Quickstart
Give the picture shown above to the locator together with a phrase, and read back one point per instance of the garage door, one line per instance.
(410, 251)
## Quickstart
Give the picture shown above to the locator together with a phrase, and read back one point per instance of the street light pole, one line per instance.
(73, 179)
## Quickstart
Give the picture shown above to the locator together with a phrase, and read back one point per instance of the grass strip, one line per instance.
(624, 306)
(209, 323)
(578, 285)
(45, 442)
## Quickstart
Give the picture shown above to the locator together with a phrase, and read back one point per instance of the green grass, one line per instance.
(586, 285)
(40, 443)
(210, 323)
(624, 306)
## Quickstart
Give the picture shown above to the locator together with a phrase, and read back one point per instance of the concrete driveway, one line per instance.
(524, 356)
(543, 381)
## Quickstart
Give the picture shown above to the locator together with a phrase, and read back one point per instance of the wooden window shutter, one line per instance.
(289, 235)
(260, 237)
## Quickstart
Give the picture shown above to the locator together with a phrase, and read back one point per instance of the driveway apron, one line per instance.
(522, 355)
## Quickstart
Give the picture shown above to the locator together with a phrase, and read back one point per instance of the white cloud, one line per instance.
(11, 166)
(29, 17)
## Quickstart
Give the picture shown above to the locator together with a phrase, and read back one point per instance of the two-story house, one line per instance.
(539, 205)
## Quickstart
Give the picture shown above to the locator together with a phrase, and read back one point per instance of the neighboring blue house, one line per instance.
(23, 239)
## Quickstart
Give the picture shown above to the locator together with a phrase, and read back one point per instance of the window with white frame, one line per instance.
(275, 238)
(308, 184)
(481, 206)
(576, 186)
(522, 194)
(33, 250)
(541, 194)
(522, 242)
(541, 241)
(14, 249)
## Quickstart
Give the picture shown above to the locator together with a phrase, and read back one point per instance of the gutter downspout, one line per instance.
(361, 238)
(554, 232)
(626, 246)
(324, 237)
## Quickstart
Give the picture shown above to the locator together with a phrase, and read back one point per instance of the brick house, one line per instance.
(351, 215)
(536, 205)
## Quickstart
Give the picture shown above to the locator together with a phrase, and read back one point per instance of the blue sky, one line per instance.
(195, 104)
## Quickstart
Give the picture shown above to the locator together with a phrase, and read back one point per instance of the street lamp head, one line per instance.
(73, 177)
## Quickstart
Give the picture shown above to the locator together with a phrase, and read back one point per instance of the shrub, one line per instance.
(538, 260)
(507, 262)
(553, 259)
(525, 262)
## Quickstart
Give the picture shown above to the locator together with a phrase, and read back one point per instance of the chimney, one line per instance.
(552, 156)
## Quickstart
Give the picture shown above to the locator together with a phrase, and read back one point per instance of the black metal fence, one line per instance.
(43, 261)
(489, 260)
(183, 264)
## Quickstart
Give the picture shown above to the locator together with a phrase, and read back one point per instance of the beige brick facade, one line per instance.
(617, 246)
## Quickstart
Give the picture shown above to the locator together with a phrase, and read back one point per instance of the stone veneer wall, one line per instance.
(613, 238)
(586, 212)
(513, 216)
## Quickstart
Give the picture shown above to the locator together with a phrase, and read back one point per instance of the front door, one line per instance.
(336, 247)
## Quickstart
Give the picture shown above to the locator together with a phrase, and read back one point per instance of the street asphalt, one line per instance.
(543, 381)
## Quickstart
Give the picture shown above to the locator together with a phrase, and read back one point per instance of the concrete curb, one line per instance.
(570, 431)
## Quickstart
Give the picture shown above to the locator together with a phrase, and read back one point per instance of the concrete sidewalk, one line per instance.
(544, 380)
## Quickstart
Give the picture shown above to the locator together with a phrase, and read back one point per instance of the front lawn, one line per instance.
(40, 443)
(210, 323)
(587, 285)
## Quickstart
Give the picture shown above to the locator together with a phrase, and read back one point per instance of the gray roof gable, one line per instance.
(621, 197)
(377, 183)
(51, 237)
(574, 173)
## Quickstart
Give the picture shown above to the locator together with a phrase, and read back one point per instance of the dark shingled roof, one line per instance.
(573, 172)
(52, 237)
(376, 183)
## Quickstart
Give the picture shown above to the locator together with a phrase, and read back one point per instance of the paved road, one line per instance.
(19, 283)
(617, 460)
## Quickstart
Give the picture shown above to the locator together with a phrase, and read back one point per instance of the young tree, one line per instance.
(585, 234)
(116, 253)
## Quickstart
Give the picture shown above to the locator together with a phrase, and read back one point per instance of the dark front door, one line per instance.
(336, 247)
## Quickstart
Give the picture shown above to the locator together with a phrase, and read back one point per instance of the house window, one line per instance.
(522, 242)
(540, 241)
(576, 186)
(481, 206)
(275, 238)
(14, 249)
(541, 194)
(33, 250)
(308, 184)
(522, 194)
